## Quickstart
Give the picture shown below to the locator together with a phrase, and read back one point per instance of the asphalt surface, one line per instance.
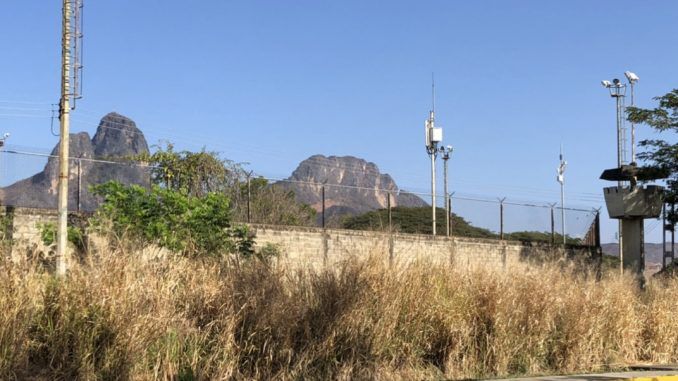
(639, 373)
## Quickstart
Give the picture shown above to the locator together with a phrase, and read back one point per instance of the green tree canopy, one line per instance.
(415, 221)
(660, 154)
(195, 173)
(198, 174)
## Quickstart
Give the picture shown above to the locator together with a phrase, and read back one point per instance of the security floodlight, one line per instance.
(449, 148)
(606, 83)
(632, 77)
(6, 135)
(616, 81)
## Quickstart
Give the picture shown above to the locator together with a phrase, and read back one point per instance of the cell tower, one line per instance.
(434, 135)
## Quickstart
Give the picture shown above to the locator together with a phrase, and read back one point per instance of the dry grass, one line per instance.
(120, 317)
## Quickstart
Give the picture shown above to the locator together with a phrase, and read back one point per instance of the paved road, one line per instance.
(645, 373)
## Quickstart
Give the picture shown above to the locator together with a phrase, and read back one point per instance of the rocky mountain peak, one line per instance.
(118, 136)
(354, 185)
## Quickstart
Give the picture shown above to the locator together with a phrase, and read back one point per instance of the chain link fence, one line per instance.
(40, 190)
(351, 205)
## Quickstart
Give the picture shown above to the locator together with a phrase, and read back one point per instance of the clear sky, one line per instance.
(273, 82)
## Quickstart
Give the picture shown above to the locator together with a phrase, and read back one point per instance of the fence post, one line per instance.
(597, 232)
(449, 215)
(501, 218)
(249, 197)
(323, 210)
(390, 219)
(553, 226)
(79, 182)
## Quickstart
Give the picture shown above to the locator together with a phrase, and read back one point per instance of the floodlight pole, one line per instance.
(617, 91)
(633, 127)
(617, 94)
(561, 180)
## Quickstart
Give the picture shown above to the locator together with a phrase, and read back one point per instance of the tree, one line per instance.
(661, 155)
(271, 204)
(192, 226)
(198, 174)
(413, 220)
(195, 173)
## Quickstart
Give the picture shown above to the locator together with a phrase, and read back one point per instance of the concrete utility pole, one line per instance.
(64, 118)
(71, 69)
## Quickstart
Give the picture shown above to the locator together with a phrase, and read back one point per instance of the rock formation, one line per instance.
(117, 138)
(354, 186)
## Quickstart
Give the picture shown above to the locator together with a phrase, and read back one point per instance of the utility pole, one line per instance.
(64, 119)
(70, 52)
(561, 180)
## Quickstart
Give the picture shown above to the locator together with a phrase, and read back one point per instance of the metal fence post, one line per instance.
(390, 216)
(449, 215)
(597, 229)
(323, 201)
(501, 218)
(553, 226)
(249, 199)
(79, 183)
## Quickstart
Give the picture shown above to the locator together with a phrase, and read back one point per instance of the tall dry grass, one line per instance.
(121, 317)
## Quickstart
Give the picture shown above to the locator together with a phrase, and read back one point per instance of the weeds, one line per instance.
(119, 316)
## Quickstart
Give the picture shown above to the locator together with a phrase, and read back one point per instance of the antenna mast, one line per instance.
(433, 137)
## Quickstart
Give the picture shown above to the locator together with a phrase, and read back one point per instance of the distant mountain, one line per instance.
(354, 186)
(117, 137)
(653, 251)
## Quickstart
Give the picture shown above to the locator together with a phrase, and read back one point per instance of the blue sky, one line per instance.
(273, 82)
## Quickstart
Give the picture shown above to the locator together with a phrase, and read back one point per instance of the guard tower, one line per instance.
(631, 205)
(629, 202)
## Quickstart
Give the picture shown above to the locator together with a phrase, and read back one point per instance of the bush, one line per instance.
(172, 219)
(48, 235)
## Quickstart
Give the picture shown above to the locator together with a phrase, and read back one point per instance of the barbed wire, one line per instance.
(326, 162)
(273, 180)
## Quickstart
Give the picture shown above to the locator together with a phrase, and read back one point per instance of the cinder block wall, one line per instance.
(24, 229)
(315, 247)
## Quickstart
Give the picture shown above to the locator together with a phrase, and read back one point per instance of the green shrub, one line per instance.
(48, 235)
(172, 219)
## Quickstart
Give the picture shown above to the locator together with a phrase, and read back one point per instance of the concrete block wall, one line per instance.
(315, 247)
(24, 230)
